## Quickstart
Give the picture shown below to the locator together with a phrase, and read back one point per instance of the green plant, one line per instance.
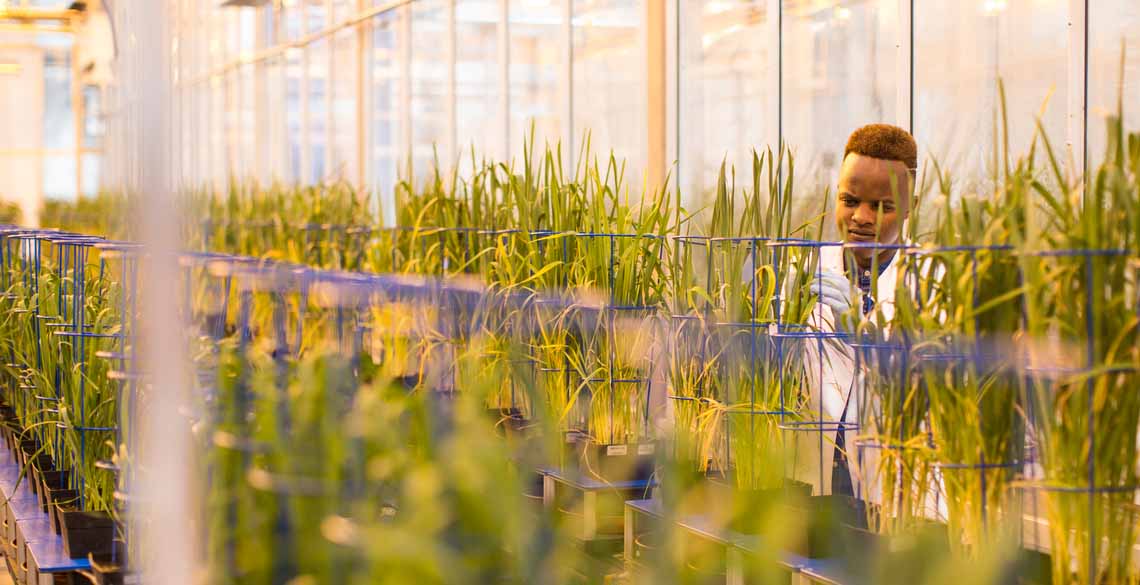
(1080, 291)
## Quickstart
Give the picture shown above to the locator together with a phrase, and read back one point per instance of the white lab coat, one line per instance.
(833, 386)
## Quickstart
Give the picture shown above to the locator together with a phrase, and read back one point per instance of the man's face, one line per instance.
(868, 209)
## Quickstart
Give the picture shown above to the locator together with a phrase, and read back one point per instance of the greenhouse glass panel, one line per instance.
(840, 72)
(218, 166)
(247, 31)
(59, 177)
(294, 76)
(292, 21)
(1114, 33)
(429, 84)
(344, 106)
(342, 9)
(535, 55)
(92, 169)
(316, 15)
(609, 80)
(386, 115)
(961, 51)
(318, 111)
(276, 104)
(250, 149)
(231, 124)
(59, 116)
(727, 107)
(478, 79)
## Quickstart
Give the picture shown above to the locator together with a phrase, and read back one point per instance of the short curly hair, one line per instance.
(885, 142)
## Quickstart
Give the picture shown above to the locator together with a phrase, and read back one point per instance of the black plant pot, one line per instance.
(751, 505)
(110, 567)
(1031, 568)
(931, 535)
(27, 449)
(65, 497)
(85, 533)
(35, 468)
(52, 480)
(836, 526)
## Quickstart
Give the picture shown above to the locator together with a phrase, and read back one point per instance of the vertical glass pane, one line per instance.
(477, 78)
(232, 166)
(609, 79)
(92, 171)
(217, 134)
(201, 136)
(343, 9)
(250, 149)
(232, 26)
(293, 21)
(726, 107)
(961, 50)
(247, 30)
(94, 127)
(59, 117)
(59, 176)
(316, 17)
(279, 139)
(429, 84)
(318, 113)
(294, 72)
(269, 23)
(344, 106)
(535, 71)
(839, 73)
(385, 70)
(1114, 26)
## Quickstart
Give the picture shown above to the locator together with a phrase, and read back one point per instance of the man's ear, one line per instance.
(911, 193)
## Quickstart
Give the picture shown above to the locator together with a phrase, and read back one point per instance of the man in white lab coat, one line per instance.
(876, 184)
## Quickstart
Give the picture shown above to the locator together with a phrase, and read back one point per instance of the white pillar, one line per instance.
(1077, 104)
(162, 495)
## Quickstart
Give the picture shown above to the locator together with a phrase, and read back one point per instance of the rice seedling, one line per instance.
(971, 309)
(88, 413)
(892, 453)
(1080, 285)
(762, 387)
(621, 251)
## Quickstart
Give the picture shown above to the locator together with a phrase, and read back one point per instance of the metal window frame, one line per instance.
(198, 67)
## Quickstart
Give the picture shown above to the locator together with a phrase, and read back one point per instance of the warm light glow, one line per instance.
(994, 6)
(710, 39)
(10, 68)
(718, 6)
(843, 13)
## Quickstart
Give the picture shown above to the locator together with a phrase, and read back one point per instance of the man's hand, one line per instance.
(833, 290)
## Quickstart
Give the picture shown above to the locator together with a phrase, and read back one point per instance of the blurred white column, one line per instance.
(655, 30)
(904, 92)
(161, 500)
(1076, 134)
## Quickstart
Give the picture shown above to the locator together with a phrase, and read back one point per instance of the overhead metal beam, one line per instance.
(36, 15)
